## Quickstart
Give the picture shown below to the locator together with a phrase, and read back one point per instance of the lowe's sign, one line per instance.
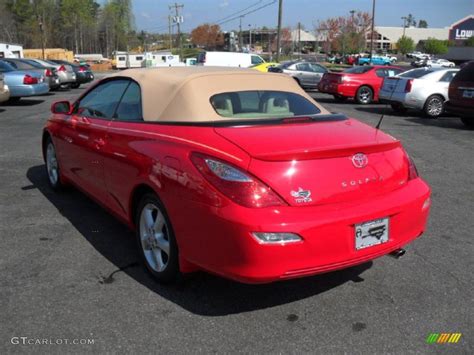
(462, 29)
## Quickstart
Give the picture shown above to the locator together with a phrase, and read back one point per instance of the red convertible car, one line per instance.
(361, 83)
(235, 172)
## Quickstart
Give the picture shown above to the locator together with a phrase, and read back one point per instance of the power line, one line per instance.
(238, 12)
(247, 13)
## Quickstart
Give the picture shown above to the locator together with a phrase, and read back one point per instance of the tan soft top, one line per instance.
(182, 94)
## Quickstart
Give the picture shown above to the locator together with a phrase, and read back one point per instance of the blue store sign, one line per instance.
(462, 29)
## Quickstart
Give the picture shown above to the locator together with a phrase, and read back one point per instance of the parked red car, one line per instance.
(361, 83)
(236, 172)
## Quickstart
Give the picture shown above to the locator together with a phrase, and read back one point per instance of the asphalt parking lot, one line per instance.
(68, 270)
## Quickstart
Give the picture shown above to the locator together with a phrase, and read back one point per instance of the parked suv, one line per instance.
(461, 95)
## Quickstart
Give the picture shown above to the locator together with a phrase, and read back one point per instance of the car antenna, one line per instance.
(380, 121)
(386, 105)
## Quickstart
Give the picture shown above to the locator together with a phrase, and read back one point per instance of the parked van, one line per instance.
(229, 59)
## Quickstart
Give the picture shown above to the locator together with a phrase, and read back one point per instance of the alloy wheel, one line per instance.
(364, 95)
(154, 237)
(434, 107)
(52, 164)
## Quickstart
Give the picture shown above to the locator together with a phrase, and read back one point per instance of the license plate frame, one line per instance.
(371, 233)
(468, 94)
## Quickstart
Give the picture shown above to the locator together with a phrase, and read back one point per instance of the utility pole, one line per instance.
(250, 38)
(41, 28)
(404, 18)
(299, 38)
(372, 30)
(170, 38)
(178, 21)
(240, 34)
(280, 10)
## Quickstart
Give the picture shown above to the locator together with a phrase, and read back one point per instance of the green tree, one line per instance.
(435, 46)
(405, 44)
(411, 20)
(422, 24)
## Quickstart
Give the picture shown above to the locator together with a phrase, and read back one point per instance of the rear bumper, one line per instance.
(29, 90)
(84, 77)
(219, 240)
(408, 100)
(54, 82)
(338, 89)
(4, 94)
(66, 77)
(461, 111)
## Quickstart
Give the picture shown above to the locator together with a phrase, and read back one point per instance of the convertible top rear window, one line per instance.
(262, 104)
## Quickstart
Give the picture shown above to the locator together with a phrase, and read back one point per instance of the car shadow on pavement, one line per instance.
(23, 102)
(199, 293)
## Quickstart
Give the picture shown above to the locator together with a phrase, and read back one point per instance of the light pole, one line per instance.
(372, 30)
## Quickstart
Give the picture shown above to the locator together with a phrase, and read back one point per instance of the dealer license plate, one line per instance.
(468, 94)
(371, 233)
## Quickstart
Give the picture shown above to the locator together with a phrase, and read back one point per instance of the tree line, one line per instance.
(84, 26)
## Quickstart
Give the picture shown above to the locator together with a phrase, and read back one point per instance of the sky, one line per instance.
(151, 15)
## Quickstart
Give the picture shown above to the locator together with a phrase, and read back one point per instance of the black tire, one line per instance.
(433, 107)
(468, 122)
(162, 266)
(399, 108)
(52, 167)
(340, 98)
(75, 85)
(364, 95)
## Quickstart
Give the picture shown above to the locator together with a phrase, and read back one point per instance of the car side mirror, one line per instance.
(61, 107)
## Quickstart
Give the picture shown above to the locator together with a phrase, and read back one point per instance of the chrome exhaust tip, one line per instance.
(397, 254)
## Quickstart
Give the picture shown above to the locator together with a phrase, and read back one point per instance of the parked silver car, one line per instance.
(65, 72)
(4, 90)
(307, 74)
(423, 89)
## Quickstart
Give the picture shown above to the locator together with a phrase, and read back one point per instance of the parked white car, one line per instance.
(440, 63)
(423, 89)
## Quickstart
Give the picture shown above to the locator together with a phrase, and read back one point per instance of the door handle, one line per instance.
(84, 120)
(99, 143)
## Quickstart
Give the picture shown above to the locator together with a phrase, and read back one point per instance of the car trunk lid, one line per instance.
(332, 78)
(317, 163)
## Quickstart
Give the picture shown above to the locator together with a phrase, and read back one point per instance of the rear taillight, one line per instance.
(48, 72)
(412, 171)
(82, 69)
(62, 68)
(408, 85)
(237, 185)
(29, 80)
